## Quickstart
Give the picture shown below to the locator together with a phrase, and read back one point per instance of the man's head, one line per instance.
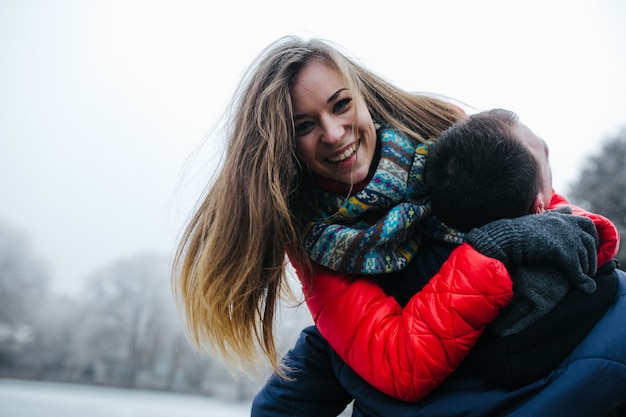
(487, 167)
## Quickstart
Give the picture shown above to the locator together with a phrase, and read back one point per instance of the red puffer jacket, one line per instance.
(406, 353)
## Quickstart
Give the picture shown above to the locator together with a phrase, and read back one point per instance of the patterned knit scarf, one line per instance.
(343, 239)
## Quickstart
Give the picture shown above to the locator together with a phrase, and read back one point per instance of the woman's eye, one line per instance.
(304, 128)
(342, 104)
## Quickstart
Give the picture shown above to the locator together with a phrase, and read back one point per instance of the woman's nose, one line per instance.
(332, 132)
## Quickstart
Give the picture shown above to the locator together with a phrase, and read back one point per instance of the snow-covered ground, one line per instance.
(42, 399)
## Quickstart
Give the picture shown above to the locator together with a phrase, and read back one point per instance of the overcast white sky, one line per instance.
(104, 102)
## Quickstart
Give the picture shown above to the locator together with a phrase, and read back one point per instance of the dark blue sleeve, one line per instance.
(312, 388)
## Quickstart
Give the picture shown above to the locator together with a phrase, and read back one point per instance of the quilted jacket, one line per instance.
(407, 352)
(590, 381)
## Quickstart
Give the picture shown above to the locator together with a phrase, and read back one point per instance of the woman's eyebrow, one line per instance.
(334, 96)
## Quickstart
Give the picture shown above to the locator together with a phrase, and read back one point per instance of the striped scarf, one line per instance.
(342, 239)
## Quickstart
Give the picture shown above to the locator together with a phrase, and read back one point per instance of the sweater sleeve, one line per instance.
(607, 232)
(406, 353)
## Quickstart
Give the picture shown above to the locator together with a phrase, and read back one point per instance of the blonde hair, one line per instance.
(229, 269)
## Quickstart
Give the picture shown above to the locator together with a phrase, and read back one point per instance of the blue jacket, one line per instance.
(589, 382)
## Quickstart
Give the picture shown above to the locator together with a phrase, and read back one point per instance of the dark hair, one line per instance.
(479, 171)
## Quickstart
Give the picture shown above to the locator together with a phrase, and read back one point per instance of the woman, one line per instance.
(303, 139)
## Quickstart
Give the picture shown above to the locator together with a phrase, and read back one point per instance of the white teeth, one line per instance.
(346, 154)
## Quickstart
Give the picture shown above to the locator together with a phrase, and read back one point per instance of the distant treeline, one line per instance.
(124, 331)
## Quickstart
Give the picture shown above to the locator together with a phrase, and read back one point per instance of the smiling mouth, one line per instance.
(345, 154)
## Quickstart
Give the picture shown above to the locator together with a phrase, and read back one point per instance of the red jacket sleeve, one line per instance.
(607, 232)
(406, 353)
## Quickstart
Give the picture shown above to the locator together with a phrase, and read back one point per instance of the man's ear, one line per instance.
(538, 205)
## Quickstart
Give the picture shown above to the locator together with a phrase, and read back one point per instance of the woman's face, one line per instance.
(324, 117)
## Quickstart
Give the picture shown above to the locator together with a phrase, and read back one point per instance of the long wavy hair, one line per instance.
(229, 268)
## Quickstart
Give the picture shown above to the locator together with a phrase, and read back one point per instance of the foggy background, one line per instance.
(104, 104)
(106, 116)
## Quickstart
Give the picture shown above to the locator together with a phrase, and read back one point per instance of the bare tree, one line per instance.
(127, 318)
(24, 282)
(601, 185)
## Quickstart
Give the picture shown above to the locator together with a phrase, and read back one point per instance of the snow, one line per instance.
(43, 399)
